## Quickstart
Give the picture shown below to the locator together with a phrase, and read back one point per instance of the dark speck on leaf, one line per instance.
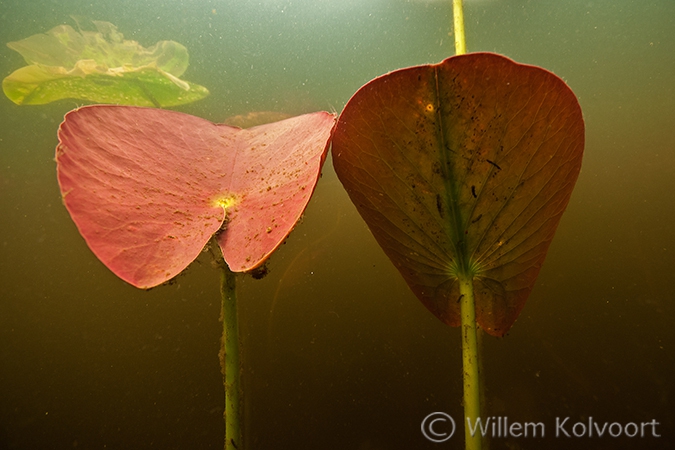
(473, 191)
(494, 164)
(439, 205)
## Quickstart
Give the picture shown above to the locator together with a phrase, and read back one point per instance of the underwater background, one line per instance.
(337, 351)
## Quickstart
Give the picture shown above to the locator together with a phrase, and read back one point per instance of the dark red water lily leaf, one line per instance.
(147, 188)
(463, 167)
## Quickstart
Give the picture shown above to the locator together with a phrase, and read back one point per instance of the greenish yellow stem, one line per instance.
(470, 347)
(458, 16)
(470, 365)
(229, 359)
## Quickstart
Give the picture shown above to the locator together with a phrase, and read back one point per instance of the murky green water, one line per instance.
(338, 352)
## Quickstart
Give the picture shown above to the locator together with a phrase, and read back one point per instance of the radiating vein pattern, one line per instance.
(463, 166)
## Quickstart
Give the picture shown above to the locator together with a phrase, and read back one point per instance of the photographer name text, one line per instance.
(501, 427)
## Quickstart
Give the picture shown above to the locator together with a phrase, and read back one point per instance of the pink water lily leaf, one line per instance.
(147, 188)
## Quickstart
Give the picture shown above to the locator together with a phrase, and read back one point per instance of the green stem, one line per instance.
(229, 359)
(470, 357)
(470, 364)
(458, 17)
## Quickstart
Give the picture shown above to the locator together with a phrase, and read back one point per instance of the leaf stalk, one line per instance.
(470, 364)
(229, 359)
(458, 18)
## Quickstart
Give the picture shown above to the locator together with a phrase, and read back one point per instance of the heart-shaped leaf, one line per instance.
(147, 188)
(463, 167)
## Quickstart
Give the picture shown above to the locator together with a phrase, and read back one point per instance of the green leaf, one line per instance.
(37, 85)
(99, 66)
(463, 168)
